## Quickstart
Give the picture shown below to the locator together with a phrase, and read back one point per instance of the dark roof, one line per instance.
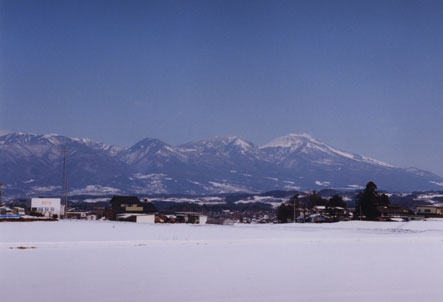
(148, 207)
(393, 209)
(125, 200)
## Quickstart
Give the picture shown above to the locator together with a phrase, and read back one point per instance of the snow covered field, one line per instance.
(118, 261)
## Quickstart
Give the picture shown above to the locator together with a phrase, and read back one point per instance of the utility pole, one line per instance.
(295, 204)
(1, 193)
(65, 184)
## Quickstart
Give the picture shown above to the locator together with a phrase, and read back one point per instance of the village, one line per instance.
(132, 209)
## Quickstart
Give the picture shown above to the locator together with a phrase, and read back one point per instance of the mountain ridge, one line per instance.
(31, 163)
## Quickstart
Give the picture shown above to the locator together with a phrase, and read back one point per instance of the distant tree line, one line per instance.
(367, 205)
(296, 206)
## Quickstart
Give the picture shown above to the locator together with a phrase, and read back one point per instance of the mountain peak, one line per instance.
(315, 150)
(292, 139)
(221, 142)
(149, 141)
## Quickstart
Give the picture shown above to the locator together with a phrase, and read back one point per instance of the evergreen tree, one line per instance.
(336, 201)
(369, 200)
(287, 212)
(333, 203)
(316, 200)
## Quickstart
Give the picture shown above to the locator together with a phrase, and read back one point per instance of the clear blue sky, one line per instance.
(364, 76)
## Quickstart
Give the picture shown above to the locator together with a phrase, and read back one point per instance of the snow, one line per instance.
(195, 200)
(118, 261)
(356, 186)
(322, 183)
(287, 141)
(376, 162)
(226, 188)
(45, 189)
(305, 143)
(148, 176)
(92, 200)
(95, 190)
(273, 201)
(292, 187)
(429, 197)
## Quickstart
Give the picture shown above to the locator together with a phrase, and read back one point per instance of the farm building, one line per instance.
(394, 211)
(130, 204)
(45, 206)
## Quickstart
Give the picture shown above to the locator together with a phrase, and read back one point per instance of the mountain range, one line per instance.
(31, 165)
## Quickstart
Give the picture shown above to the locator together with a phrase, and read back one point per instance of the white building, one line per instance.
(46, 206)
(202, 219)
(138, 218)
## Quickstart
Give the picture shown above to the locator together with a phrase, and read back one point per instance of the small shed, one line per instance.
(219, 220)
(137, 218)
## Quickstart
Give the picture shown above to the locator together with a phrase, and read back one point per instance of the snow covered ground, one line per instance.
(118, 261)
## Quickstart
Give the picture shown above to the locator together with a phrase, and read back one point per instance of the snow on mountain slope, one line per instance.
(304, 146)
(151, 152)
(33, 163)
(25, 156)
(109, 149)
(225, 146)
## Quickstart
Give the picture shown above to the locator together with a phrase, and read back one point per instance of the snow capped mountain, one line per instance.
(32, 164)
(292, 140)
(109, 149)
(220, 143)
(293, 149)
(151, 152)
(223, 147)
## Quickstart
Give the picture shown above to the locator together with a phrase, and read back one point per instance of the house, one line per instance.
(394, 211)
(4, 210)
(130, 204)
(18, 211)
(429, 210)
(76, 215)
(6, 213)
(191, 217)
(181, 217)
(80, 215)
(318, 218)
(319, 209)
